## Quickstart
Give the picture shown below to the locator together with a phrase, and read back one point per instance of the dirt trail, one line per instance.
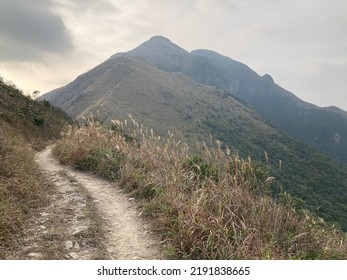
(127, 235)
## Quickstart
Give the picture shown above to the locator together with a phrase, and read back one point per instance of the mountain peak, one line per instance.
(161, 52)
(159, 39)
(157, 44)
(268, 78)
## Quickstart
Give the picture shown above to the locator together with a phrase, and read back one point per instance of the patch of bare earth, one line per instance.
(88, 218)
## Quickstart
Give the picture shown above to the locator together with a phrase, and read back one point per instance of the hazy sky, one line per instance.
(44, 44)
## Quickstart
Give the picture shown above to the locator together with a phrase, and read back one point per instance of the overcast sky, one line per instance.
(45, 44)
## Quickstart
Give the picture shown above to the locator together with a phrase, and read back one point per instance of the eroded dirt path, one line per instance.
(126, 234)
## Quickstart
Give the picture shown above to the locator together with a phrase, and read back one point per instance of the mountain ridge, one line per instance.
(316, 126)
(170, 100)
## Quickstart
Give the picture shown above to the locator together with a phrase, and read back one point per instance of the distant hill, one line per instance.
(169, 100)
(325, 129)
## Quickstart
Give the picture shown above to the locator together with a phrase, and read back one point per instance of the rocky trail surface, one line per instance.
(88, 218)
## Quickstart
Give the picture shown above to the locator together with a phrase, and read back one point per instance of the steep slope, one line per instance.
(325, 129)
(36, 121)
(128, 85)
(171, 101)
(24, 124)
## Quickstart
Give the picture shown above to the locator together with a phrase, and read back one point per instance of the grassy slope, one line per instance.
(171, 101)
(211, 207)
(37, 121)
(24, 123)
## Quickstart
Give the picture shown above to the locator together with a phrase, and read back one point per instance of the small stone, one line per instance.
(73, 255)
(35, 255)
(80, 217)
(68, 245)
(42, 227)
(80, 231)
(76, 246)
(44, 214)
(27, 248)
(69, 211)
(131, 199)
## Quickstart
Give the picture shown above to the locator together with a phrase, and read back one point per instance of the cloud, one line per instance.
(93, 23)
(30, 29)
(79, 7)
(283, 38)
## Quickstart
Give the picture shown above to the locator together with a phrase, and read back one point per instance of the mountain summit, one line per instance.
(163, 53)
(158, 45)
(201, 93)
(324, 129)
(316, 126)
(159, 40)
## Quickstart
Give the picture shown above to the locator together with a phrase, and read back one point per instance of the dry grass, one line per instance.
(22, 187)
(211, 206)
(24, 124)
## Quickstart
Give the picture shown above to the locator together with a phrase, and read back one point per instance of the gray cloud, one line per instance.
(302, 44)
(29, 29)
(94, 7)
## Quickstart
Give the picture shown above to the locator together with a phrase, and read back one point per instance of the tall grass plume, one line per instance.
(208, 205)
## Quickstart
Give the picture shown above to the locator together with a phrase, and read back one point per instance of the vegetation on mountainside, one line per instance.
(319, 182)
(24, 123)
(37, 121)
(284, 110)
(192, 111)
(209, 206)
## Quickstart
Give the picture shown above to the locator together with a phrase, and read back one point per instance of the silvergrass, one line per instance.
(213, 205)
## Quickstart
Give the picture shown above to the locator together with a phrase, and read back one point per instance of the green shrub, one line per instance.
(201, 168)
(102, 160)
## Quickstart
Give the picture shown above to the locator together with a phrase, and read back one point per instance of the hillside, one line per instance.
(165, 101)
(210, 207)
(24, 124)
(36, 121)
(325, 129)
(49, 211)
